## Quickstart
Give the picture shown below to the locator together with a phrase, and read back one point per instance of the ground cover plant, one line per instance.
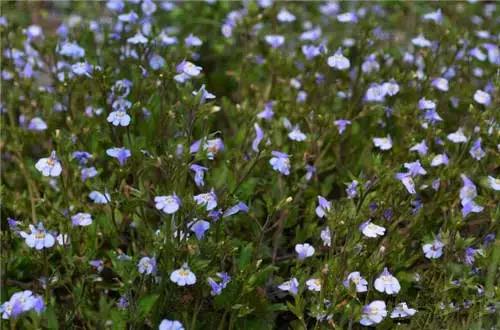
(250, 165)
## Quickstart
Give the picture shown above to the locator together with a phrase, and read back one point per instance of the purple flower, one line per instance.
(37, 124)
(482, 97)
(433, 250)
(88, 172)
(274, 40)
(383, 143)
(352, 189)
(441, 159)
(421, 148)
(372, 230)
(170, 325)
(99, 198)
(71, 49)
(402, 310)
(205, 95)
(476, 151)
(97, 264)
(415, 168)
(356, 278)
(468, 191)
(240, 207)
(259, 135)
(310, 51)
(147, 265)
(387, 283)
(440, 84)
(156, 62)
(122, 303)
(137, 39)
(324, 206)
(119, 118)
(470, 254)
(296, 134)
(285, 16)
(267, 113)
(458, 136)
(21, 302)
(341, 125)
(82, 157)
(291, 286)
(49, 166)
(348, 17)
(168, 204)
(208, 200)
(339, 61)
(121, 154)
(304, 251)
(192, 41)
(199, 172)
(470, 207)
(148, 7)
(218, 287)
(82, 69)
(280, 162)
(81, 219)
(373, 313)
(310, 170)
(326, 237)
(39, 238)
(199, 227)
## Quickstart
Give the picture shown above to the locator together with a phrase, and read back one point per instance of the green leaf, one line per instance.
(146, 304)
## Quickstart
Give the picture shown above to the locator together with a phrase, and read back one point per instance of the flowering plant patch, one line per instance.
(250, 165)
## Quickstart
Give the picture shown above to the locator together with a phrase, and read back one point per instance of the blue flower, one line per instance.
(121, 154)
(49, 166)
(280, 162)
(119, 118)
(199, 227)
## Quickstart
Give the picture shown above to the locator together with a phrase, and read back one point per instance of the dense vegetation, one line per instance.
(250, 165)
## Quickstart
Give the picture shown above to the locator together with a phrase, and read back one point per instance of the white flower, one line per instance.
(360, 282)
(291, 286)
(370, 229)
(99, 198)
(458, 136)
(296, 134)
(494, 183)
(39, 238)
(81, 219)
(147, 265)
(168, 204)
(326, 237)
(49, 166)
(384, 143)
(433, 250)
(482, 97)
(119, 118)
(285, 16)
(137, 39)
(420, 41)
(402, 310)
(387, 283)
(170, 325)
(314, 284)
(183, 276)
(440, 159)
(304, 251)
(373, 313)
(209, 200)
(339, 61)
